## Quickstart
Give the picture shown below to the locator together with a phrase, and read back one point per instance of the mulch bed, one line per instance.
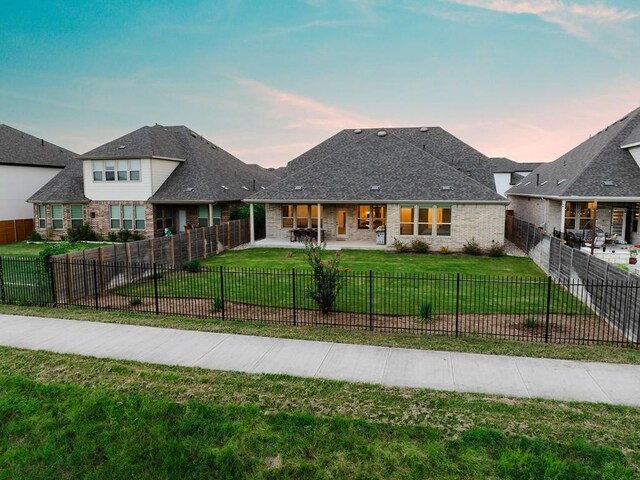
(583, 328)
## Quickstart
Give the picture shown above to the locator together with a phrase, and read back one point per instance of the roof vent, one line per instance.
(609, 183)
(297, 188)
(122, 147)
(528, 183)
(193, 134)
(445, 188)
(518, 184)
(562, 181)
(424, 129)
(224, 188)
(375, 187)
(357, 130)
(544, 182)
(382, 133)
(244, 188)
(263, 187)
(189, 189)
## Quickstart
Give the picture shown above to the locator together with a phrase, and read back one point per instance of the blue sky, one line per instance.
(267, 80)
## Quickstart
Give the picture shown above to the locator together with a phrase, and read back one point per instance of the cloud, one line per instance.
(297, 112)
(572, 17)
(314, 24)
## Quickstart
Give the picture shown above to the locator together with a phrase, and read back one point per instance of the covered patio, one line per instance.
(330, 244)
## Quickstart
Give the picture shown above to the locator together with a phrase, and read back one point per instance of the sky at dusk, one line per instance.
(267, 80)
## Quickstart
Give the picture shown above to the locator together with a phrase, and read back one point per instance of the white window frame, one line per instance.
(203, 209)
(76, 219)
(432, 220)
(311, 219)
(55, 219)
(42, 215)
(117, 170)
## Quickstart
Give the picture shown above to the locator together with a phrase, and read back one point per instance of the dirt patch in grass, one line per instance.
(582, 328)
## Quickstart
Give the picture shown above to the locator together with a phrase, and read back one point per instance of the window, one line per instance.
(164, 217)
(97, 170)
(139, 213)
(406, 220)
(56, 217)
(114, 215)
(425, 224)
(577, 215)
(287, 216)
(134, 170)
(77, 215)
(302, 216)
(425, 220)
(203, 215)
(217, 215)
(443, 219)
(371, 216)
(127, 217)
(364, 214)
(42, 216)
(115, 170)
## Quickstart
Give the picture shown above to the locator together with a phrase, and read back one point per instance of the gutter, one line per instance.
(375, 201)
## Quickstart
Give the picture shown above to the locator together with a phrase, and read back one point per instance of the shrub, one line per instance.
(472, 247)
(444, 250)
(420, 246)
(400, 246)
(496, 250)
(193, 266)
(425, 311)
(112, 237)
(34, 236)
(135, 301)
(531, 322)
(81, 233)
(137, 236)
(216, 304)
(328, 277)
(53, 249)
(123, 235)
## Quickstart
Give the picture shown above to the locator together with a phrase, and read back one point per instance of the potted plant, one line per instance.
(633, 254)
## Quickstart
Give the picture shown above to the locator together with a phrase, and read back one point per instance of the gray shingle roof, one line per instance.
(434, 140)
(506, 165)
(402, 172)
(65, 187)
(19, 148)
(583, 171)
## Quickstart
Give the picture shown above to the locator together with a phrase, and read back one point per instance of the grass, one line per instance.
(64, 416)
(24, 249)
(596, 353)
(262, 276)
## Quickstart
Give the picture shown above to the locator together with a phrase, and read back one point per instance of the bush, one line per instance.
(531, 322)
(496, 250)
(193, 266)
(472, 247)
(444, 250)
(216, 304)
(135, 301)
(34, 236)
(81, 233)
(420, 246)
(425, 311)
(112, 237)
(328, 277)
(137, 236)
(400, 246)
(53, 249)
(123, 235)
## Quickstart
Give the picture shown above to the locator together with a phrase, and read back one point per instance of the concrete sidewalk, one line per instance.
(460, 372)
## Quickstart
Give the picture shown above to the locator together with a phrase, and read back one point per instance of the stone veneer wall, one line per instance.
(483, 222)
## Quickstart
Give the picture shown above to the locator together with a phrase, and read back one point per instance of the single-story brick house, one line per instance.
(149, 180)
(595, 185)
(416, 182)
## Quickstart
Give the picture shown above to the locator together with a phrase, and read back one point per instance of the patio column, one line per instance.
(211, 214)
(593, 225)
(319, 226)
(252, 233)
(562, 217)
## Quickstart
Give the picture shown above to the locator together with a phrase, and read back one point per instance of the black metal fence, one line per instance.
(536, 309)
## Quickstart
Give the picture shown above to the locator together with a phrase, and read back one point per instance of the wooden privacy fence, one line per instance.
(77, 273)
(589, 275)
(12, 231)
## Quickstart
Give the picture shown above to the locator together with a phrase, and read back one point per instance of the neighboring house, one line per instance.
(506, 172)
(598, 181)
(148, 180)
(418, 182)
(26, 164)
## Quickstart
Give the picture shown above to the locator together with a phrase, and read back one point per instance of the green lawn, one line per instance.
(64, 416)
(401, 283)
(24, 249)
